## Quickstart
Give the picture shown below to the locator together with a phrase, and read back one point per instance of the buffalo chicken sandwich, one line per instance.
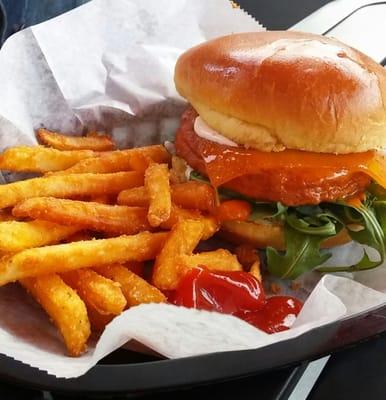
(293, 125)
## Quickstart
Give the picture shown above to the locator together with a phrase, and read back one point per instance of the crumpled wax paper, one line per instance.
(108, 65)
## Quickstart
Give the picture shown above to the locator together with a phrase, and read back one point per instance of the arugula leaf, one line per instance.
(321, 224)
(305, 227)
(302, 254)
(372, 235)
(268, 211)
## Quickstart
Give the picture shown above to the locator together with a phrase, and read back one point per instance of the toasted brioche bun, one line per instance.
(276, 90)
(262, 235)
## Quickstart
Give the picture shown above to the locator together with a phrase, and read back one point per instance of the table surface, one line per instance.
(344, 375)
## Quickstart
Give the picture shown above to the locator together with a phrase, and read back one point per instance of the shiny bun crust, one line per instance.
(262, 235)
(277, 90)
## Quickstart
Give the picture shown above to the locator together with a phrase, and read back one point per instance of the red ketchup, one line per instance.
(278, 314)
(237, 293)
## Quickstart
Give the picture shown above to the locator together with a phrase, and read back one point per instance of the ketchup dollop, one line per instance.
(238, 293)
(278, 314)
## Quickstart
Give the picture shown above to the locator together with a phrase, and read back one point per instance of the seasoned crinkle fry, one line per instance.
(158, 188)
(98, 292)
(68, 186)
(217, 260)
(193, 195)
(135, 289)
(93, 142)
(64, 307)
(121, 160)
(88, 215)
(182, 240)
(16, 236)
(41, 159)
(84, 254)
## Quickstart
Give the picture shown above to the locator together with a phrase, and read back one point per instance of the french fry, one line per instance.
(98, 292)
(40, 159)
(158, 188)
(217, 260)
(210, 226)
(179, 214)
(66, 257)
(98, 320)
(86, 214)
(178, 170)
(135, 289)
(246, 254)
(194, 195)
(182, 240)
(16, 236)
(93, 142)
(256, 271)
(68, 186)
(120, 160)
(64, 307)
(134, 197)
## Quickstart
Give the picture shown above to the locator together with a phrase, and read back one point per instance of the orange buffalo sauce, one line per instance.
(292, 177)
(224, 163)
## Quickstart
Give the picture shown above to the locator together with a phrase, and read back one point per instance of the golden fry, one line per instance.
(41, 159)
(68, 186)
(158, 188)
(69, 256)
(194, 195)
(256, 271)
(135, 197)
(217, 260)
(246, 254)
(64, 307)
(88, 215)
(178, 170)
(182, 240)
(64, 142)
(16, 236)
(135, 289)
(178, 214)
(121, 160)
(98, 292)
(98, 320)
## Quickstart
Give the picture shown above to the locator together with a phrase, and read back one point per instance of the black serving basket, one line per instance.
(127, 372)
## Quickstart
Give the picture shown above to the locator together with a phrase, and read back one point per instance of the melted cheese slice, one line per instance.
(224, 163)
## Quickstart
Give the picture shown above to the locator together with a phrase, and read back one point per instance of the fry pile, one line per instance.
(76, 238)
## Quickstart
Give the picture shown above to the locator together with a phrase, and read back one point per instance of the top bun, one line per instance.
(276, 90)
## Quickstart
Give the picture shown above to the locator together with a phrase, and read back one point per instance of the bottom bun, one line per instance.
(262, 235)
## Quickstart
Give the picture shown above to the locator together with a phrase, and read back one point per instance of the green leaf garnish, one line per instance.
(302, 254)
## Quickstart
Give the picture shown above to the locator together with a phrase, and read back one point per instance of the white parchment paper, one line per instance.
(108, 65)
